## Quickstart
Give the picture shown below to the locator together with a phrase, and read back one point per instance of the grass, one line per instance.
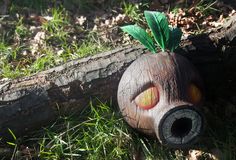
(99, 132)
(58, 21)
(38, 5)
(220, 132)
(207, 7)
(100, 135)
(132, 11)
(23, 53)
(135, 11)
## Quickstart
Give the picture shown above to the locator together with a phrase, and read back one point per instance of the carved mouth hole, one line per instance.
(181, 127)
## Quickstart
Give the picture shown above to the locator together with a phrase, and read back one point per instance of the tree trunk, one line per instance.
(30, 102)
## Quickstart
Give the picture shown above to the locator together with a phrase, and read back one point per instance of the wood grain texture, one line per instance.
(30, 102)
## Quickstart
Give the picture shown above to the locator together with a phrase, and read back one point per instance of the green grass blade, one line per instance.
(175, 37)
(11, 143)
(141, 35)
(12, 134)
(159, 26)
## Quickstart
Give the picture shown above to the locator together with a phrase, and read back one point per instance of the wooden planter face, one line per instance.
(161, 94)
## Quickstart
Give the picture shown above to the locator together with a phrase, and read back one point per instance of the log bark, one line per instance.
(31, 102)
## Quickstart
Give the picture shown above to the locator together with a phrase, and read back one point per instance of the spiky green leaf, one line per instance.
(141, 35)
(159, 26)
(175, 37)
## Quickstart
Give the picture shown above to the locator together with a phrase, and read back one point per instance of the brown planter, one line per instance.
(161, 94)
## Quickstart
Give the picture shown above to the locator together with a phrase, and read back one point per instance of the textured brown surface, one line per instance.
(171, 74)
(30, 102)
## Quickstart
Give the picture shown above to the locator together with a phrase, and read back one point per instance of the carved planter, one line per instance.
(161, 94)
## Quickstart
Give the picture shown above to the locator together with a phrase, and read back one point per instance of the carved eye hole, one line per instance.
(194, 93)
(148, 98)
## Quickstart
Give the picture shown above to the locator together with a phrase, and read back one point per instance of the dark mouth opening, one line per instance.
(181, 127)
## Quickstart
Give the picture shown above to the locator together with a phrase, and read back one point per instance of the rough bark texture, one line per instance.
(30, 102)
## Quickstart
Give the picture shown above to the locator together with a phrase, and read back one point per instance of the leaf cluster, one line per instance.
(166, 37)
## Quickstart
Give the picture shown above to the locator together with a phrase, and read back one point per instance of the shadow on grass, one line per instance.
(99, 132)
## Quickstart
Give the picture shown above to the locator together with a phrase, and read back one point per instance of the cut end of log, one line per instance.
(31, 102)
(180, 127)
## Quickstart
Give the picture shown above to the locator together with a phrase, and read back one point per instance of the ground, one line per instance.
(37, 35)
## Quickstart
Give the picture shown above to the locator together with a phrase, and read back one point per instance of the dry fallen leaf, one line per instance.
(194, 154)
(80, 20)
(198, 155)
(37, 41)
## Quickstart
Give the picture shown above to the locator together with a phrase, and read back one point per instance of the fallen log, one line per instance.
(28, 103)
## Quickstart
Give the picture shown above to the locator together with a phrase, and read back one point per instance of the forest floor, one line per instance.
(36, 35)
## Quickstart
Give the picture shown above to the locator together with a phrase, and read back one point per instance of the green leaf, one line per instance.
(159, 26)
(141, 35)
(175, 37)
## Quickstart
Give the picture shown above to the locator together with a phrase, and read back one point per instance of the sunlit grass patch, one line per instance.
(100, 132)
(52, 39)
(97, 133)
(83, 49)
(12, 66)
(57, 19)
